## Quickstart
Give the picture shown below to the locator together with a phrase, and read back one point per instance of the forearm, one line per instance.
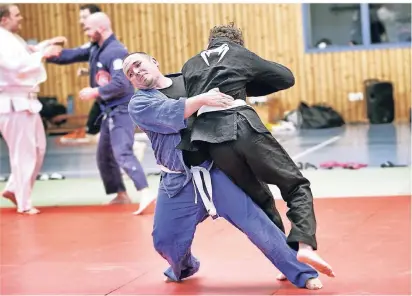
(192, 105)
(69, 56)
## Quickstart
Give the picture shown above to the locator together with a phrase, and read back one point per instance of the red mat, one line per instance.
(106, 250)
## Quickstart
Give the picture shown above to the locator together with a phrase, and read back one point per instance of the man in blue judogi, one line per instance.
(113, 91)
(187, 196)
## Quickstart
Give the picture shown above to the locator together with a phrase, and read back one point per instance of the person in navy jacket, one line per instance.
(110, 87)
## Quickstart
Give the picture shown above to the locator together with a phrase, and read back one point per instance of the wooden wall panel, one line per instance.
(174, 32)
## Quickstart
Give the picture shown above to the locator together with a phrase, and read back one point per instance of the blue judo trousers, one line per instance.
(183, 202)
(176, 220)
(115, 151)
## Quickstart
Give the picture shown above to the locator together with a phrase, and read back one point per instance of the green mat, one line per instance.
(72, 192)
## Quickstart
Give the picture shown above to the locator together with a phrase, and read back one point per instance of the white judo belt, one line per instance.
(236, 103)
(198, 183)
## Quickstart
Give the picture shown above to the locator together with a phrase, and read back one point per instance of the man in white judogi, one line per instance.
(21, 72)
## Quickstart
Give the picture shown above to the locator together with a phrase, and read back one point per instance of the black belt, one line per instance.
(107, 111)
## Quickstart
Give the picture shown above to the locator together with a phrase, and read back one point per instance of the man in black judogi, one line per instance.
(240, 144)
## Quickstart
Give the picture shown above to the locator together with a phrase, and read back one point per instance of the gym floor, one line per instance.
(370, 145)
(78, 246)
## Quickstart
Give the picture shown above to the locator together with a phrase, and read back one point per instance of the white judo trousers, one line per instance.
(25, 137)
(21, 72)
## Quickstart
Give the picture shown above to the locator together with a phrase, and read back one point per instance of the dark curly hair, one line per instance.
(229, 31)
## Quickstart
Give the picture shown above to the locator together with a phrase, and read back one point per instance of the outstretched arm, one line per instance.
(72, 55)
(152, 111)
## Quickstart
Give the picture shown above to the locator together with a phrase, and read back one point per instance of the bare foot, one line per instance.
(314, 284)
(146, 201)
(121, 199)
(168, 280)
(32, 211)
(10, 196)
(307, 255)
(145, 205)
(281, 277)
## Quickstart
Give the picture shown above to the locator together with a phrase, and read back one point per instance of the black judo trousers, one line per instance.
(237, 140)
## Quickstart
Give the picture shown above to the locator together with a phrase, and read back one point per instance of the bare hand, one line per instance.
(88, 93)
(59, 40)
(52, 51)
(215, 98)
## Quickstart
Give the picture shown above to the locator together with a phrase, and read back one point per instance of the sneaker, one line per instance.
(77, 136)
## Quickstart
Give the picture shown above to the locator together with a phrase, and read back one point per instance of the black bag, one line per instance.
(51, 108)
(318, 116)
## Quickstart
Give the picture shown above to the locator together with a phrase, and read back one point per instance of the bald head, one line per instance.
(99, 20)
(98, 27)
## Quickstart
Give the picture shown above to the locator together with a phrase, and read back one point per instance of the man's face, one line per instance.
(143, 72)
(84, 13)
(92, 31)
(13, 21)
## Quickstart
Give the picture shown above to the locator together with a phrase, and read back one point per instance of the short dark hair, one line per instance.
(5, 10)
(228, 31)
(93, 8)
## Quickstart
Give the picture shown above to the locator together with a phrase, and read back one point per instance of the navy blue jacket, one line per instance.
(108, 57)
